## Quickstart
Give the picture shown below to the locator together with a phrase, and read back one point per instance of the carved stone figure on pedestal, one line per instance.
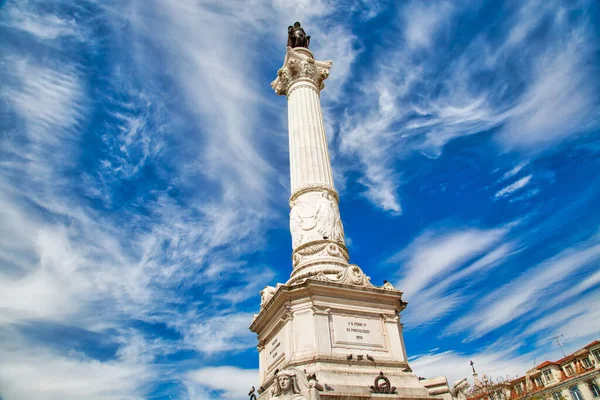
(286, 387)
(266, 294)
(297, 37)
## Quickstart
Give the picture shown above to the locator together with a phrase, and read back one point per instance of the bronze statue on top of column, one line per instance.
(297, 37)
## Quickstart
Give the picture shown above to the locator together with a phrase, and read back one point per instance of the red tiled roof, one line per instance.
(562, 361)
(545, 364)
(595, 342)
(565, 360)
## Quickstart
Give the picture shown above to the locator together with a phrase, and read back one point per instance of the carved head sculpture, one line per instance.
(286, 383)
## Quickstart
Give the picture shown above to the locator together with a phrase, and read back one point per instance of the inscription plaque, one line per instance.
(358, 331)
(274, 350)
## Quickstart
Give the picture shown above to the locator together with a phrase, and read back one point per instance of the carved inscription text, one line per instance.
(357, 331)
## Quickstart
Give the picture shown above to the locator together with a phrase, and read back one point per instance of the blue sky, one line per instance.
(144, 181)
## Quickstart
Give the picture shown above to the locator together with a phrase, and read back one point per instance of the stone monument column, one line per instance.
(315, 222)
(328, 333)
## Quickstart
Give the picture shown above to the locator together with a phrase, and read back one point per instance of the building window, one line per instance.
(575, 393)
(548, 375)
(519, 389)
(594, 388)
(587, 364)
(538, 381)
(596, 354)
(569, 370)
(556, 396)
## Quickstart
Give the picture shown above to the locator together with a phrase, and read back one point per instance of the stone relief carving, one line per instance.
(267, 294)
(390, 317)
(319, 250)
(315, 216)
(382, 385)
(352, 275)
(297, 65)
(287, 386)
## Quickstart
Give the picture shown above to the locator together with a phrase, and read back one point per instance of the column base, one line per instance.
(319, 257)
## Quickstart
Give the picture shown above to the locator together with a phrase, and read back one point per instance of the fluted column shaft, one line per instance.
(309, 156)
(315, 222)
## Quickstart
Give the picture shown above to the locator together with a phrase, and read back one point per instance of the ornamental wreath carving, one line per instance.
(382, 385)
(315, 216)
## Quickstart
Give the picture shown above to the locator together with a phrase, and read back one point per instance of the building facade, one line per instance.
(574, 377)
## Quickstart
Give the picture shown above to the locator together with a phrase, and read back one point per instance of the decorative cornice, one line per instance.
(300, 65)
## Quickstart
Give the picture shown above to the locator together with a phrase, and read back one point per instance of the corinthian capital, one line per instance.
(299, 65)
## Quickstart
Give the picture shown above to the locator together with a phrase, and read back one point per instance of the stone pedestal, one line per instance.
(343, 329)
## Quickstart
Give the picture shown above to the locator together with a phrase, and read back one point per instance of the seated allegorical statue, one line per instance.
(286, 387)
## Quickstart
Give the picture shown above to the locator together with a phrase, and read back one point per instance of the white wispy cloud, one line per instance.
(431, 256)
(208, 335)
(561, 98)
(423, 20)
(513, 171)
(516, 299)
(496, 360)
(433, 265)
(25, 17)
(416, 101)
(49, 99)
(574, 319)
(32, 371)
(230, 382)
(513, 187)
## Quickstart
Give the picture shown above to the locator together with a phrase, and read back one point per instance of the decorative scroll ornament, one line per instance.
(355, 276)
(299, 65)
(315, 216)
(320, 251)
(352, 275)
(382, 385)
